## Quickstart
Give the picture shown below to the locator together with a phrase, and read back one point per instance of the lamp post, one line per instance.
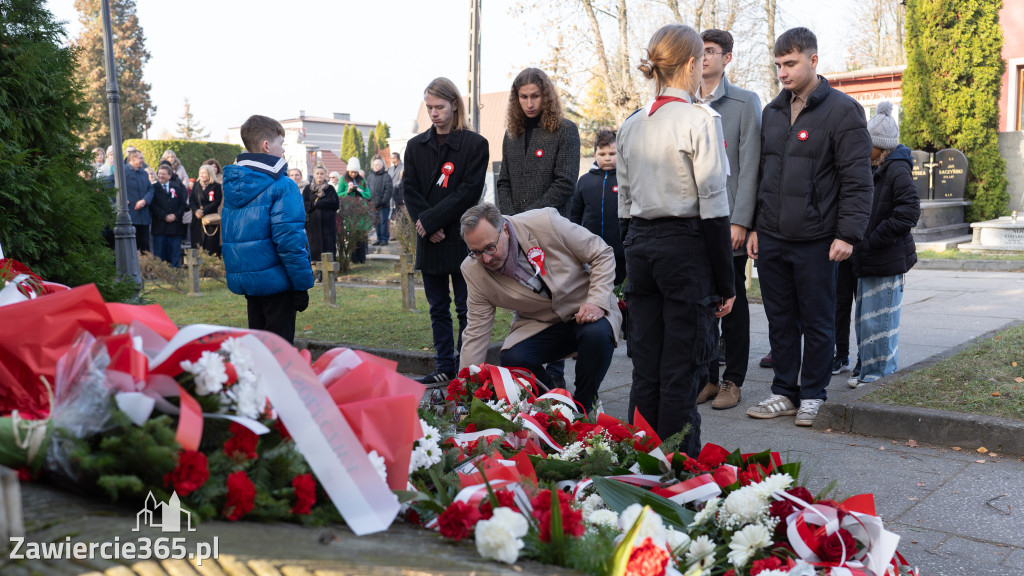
(125, 253)
(474, 65)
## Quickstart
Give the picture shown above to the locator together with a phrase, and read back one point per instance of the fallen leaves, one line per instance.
(921, 484)
(1018, 380)
(911, 443)
(912, 498)
(956, 448)
(982, 450)
(996, 394)
(979, 461)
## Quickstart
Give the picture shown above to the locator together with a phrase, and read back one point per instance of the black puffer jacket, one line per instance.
(888, 248)
(815, 178)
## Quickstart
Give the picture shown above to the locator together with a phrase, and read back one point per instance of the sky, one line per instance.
(233, 58)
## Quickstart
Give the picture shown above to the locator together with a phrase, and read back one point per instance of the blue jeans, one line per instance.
(798, 288)
(593, 342)
(168, 248)
(435, 287)
(383, 231)
(878, 325)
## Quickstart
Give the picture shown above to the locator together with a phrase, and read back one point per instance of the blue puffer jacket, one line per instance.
(263, 222)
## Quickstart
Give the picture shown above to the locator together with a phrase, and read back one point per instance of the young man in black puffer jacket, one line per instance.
(595, 204)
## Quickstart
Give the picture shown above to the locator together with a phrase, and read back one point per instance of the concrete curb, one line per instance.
(971, 265)
(999, 435)
(409, 362)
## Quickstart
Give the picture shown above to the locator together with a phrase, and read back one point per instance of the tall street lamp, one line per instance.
(126, 255)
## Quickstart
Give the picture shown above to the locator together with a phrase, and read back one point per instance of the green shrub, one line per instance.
(190, 153)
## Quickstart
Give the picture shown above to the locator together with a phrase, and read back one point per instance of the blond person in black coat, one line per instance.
(205, 199)
(321, 202)
(444, 176)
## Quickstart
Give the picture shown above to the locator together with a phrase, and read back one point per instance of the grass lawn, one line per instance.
(958, 255)
(375, 272)
(370, 317)
(986, 379)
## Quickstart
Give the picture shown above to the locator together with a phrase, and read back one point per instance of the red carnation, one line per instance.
(618, 432)
(801, 493)
(585, 430)
(693, 466)
(464, 373)
(458, 520)
(456, 391)
(770, 563)
(484, 392)
(752, 474)
(241, 496)
(647, 560)
(729, 572)
(838, 546)
(471, 427)
(190, 473)
(543, 419)
(242, 441)
(305, 493)
(506, 499)
(572, 520)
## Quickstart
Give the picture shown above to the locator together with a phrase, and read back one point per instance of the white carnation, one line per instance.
(248, 397)
(702, 552)
(238, 354)
(500, 537)
(678, 542)
(208, 371)
(708, 513)
(603, 518)
(747, 542)
(591, 504)
(378, 464)
(651, 526)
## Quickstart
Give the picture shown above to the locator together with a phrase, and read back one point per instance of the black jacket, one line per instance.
(164, 203)
(815, 177)
(321, 220)
(437, 207)
(888, 247)
(595, 206)
(381, 189)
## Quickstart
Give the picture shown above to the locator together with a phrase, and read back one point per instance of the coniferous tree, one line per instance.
(51, 217)
(137, 108)
(357, 137)
(348, 144)
(382, 132)
(951, 92)
(189, 128)
(371, 146)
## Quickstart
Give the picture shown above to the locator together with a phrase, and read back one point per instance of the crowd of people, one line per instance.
(689, 189)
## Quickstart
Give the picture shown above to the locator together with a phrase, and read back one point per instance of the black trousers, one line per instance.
(435, 287)
(798, 287)
(735, 331)
(846, 289)
(142, 237)
(672, 324)
(593, 342)
(274, 313)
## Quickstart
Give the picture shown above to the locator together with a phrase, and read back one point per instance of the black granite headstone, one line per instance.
(922, 179)
(950, 174)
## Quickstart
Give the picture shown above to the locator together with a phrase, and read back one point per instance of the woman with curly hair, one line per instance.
(540, 154)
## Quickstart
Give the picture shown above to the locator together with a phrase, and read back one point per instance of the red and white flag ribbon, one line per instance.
(698, 489)
(531, 423)
(446, 171)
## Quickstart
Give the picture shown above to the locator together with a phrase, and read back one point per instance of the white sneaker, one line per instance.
(808, 410)
(855, 383)
(772, 407)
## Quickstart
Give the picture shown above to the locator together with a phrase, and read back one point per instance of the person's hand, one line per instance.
(437, 236)
(589, 313)
(420, 229)
(724, 308)
(752, 245)
(840, 250)
(320, 194)
(300, 299)
(140, 205)
(199, 213)
(739, 236)
(169, 218)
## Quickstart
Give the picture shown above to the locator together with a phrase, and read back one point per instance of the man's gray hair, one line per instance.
(485, 211)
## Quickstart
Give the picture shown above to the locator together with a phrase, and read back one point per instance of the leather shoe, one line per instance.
(728, 396)
(710, 391)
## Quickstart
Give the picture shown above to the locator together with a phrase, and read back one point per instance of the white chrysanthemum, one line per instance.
(591, 504)
(651, 527)
(603, 518)
(571, 452)
(743, 506)
(500, 537)
(564, 410)
(501, 407)
(378, 464)
(209, 372)
(773, 483)
(427, 450)
(237, 354)
(701, 552)
(678, 542)
(746, 543)
(708, 513)
(248, 397)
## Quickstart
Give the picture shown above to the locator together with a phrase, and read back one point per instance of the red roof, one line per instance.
(332, 163)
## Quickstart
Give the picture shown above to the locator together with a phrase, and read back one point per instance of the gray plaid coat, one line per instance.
(543, 176)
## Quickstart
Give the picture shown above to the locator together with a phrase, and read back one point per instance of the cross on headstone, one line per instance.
(327, 267)
(407, 279)
(931, 165)
(193, 261)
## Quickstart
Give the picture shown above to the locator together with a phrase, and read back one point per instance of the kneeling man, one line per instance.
(556, 277)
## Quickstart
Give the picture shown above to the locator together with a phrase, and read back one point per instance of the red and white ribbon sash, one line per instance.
(697, 489)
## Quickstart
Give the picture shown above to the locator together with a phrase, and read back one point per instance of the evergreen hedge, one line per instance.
(190, 153)
(951, 91)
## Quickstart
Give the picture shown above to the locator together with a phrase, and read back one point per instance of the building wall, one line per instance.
(1011, 19)
(1011, 145)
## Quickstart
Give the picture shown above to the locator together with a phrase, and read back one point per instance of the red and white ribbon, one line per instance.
(698, 489)
(446, 171)
(536, 256)
(531, 423)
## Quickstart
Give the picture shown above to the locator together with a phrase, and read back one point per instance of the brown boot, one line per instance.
(728, 396)
(710, 391)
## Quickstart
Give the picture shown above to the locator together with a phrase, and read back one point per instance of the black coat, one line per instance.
(595, 206)
(815, 177)
(321, 220)
(381, 189)
(208, 200)
(164, 203)
(888, 247)
(437, 207)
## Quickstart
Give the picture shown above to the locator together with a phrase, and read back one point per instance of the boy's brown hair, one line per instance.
(258, 129)
(603, 138)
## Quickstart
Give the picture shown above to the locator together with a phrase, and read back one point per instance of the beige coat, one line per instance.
(567, 247)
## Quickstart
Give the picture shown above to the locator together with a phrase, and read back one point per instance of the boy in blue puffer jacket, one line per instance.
(266, 255)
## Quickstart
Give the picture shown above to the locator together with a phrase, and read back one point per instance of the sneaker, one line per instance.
(728, 396)
(435, 377)
(721, 351)
(767, 362)
(856, 369)
(557, 380)
(840, 365)
(808, 410)
(708, 393)
(855, 382)
(772, 407)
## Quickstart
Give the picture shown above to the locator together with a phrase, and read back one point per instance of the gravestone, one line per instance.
(193, 262)
(951, 175)
(328, 267)
(921, 173)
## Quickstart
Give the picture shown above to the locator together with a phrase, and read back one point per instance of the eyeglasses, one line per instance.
(710, 52)
(490, 249)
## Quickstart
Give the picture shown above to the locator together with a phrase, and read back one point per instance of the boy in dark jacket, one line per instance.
(170, 202)
(263, 221)
(595, 204)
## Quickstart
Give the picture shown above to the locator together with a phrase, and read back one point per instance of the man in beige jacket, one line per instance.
(556, 277)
